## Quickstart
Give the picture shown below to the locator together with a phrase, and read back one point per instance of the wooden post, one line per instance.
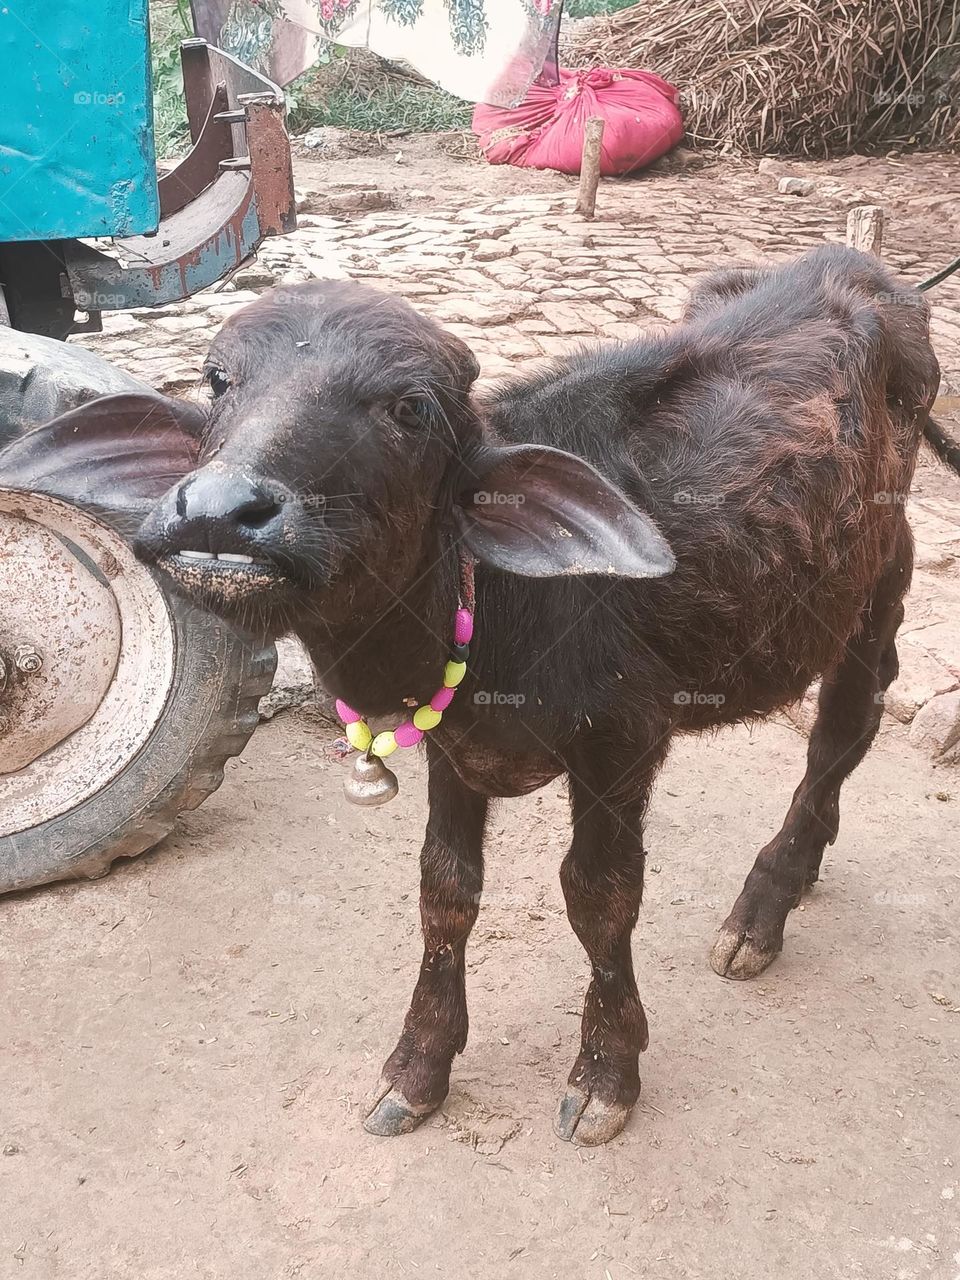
(865, 228)
(590, 167)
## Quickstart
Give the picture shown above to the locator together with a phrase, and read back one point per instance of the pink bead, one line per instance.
(346, 714)
(463, 627)
(407, 734)
(443, 697)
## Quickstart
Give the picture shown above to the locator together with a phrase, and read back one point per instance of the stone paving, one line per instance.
(524, 279)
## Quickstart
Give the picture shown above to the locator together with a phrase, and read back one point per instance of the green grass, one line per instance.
(593, 8)
(394, 106)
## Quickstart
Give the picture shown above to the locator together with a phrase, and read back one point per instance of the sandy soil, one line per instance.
(919, 191)
(187, 1042)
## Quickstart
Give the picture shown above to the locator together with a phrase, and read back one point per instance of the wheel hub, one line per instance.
(86, 657)
(50, 597)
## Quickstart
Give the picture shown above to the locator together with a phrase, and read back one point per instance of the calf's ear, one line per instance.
(116, 454)
(544, 513)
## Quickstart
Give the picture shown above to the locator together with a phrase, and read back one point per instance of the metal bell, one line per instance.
(370, 782)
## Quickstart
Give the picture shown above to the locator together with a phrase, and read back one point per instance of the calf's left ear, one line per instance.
(544, 513)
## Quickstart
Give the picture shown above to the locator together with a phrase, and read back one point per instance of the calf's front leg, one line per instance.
(416, 1076)
(602, 880)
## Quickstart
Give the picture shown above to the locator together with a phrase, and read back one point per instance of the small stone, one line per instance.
(328, 140)
(182, 324)
(619, 307)
(11, 1149)
(256, 276)
(936, 726)
(933, 559)
(796, 186)
(922, 677)
(294, 682)
(490, 250)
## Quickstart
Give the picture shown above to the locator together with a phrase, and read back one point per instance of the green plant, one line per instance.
(420, 108)
(169, 24)
(593, 8)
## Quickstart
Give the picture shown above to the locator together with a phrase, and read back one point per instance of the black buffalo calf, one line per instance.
(668, 535)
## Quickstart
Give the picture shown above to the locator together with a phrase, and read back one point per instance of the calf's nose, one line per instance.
(228, 498)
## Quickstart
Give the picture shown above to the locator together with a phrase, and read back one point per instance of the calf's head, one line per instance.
(336, 411)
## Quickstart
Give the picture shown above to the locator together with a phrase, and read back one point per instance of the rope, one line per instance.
(939, 276)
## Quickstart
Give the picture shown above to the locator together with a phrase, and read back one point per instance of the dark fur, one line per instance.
(772, 438)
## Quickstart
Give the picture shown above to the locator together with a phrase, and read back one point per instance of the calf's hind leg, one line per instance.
(848, 716)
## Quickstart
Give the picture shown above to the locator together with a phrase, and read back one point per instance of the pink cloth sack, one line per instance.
(546, 130)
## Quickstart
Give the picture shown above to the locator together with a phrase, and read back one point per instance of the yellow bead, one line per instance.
(359, 735)
(383, 744)
(426, 717)
(453, 673)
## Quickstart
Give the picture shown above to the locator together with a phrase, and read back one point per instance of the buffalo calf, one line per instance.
(669, 535)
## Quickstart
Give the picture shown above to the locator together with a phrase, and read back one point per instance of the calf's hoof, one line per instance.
(585, 1120)
(736, 955)
(388, 1113)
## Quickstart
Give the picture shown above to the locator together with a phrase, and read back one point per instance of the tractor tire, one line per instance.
(108, 739)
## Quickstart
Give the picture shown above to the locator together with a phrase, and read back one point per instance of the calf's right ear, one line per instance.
(115, 455)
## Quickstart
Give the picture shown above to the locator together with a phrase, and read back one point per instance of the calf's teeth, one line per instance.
(197, 555)
(234, 557)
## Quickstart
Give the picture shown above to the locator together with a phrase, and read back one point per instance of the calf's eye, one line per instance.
(218, 380)
(409, 413)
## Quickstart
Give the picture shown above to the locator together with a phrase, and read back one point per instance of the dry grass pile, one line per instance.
(818, 78)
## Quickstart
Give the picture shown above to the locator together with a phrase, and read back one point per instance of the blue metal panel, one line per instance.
(76, 120)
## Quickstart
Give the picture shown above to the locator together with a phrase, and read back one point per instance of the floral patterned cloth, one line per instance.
(481, 50)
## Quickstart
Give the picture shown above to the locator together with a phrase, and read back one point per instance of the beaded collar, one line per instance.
(371, 782)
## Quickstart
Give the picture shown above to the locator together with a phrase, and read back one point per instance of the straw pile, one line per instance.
(817, 78)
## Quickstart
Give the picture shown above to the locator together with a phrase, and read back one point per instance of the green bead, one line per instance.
(426, 717)
(453, 673)
(359, 735)
(384, 744)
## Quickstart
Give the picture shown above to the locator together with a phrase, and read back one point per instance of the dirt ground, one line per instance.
(188, 1041)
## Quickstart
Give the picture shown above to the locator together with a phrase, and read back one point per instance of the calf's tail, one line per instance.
(944, 446)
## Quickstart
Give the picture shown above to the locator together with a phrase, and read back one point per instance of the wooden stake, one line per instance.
(590, 167)
(865, 228)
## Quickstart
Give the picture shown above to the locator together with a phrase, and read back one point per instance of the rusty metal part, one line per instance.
(200, 244)
(76, 598)
(28, 659)
(199, 167)
(270, 163)
(197, 83)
